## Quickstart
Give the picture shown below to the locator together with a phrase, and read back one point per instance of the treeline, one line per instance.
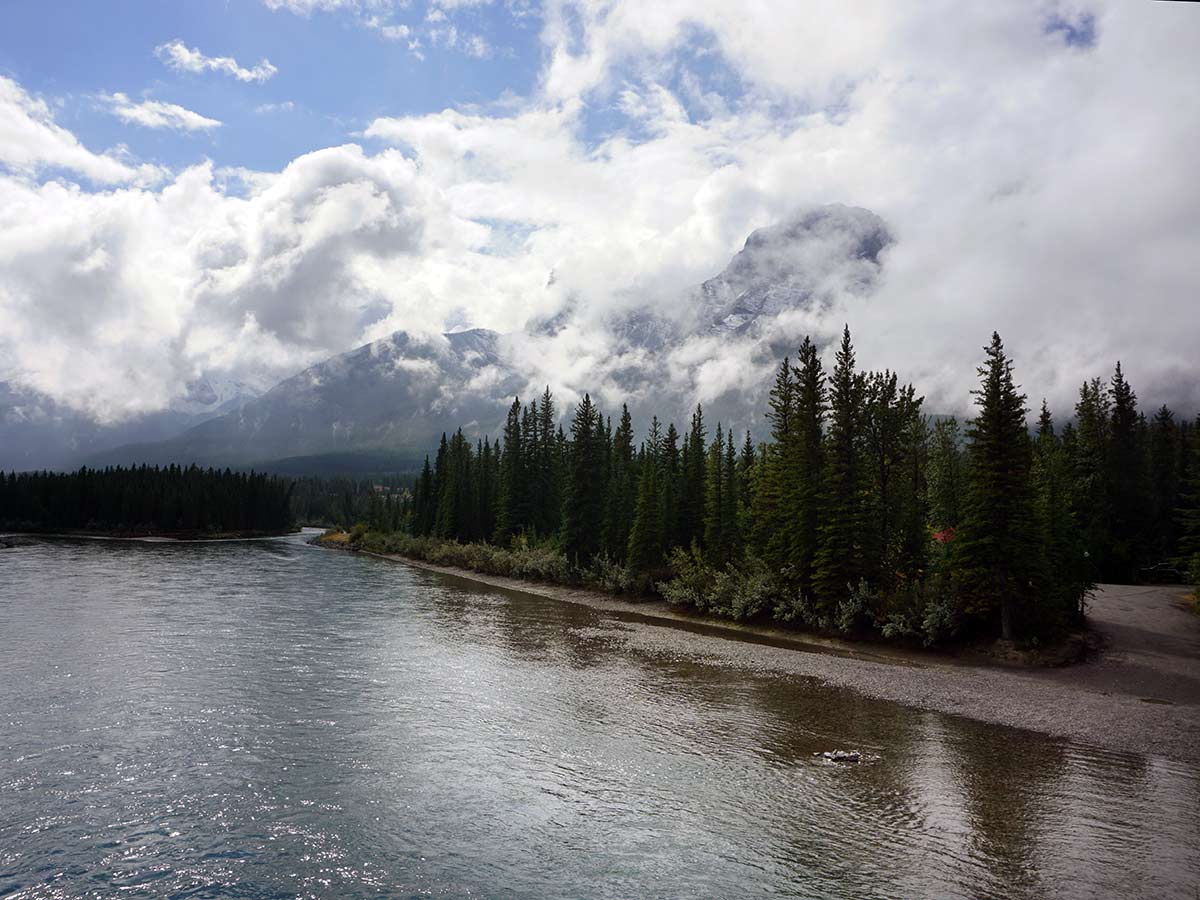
(859, 515)
(342, 500)
(146, 500)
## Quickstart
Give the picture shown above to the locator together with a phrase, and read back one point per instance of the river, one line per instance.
(266, 719)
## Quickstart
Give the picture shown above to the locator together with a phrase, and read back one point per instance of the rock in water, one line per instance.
(847, 756)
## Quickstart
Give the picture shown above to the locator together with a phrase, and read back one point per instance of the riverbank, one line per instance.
(9, 538)
(1140, 694)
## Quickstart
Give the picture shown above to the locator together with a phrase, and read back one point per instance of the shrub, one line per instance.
(611, 576)
(856, 614)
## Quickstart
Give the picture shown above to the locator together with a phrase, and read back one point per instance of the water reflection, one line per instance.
(272, 720)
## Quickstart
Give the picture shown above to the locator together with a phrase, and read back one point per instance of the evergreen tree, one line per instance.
(548, 492)
(839, 562)
(583, 510)
(1166, 451)
(693, 481)
(716, 506)
(1089, 472)
(731, 500)
(645, 551)
(511, 515)
(998, 546)
(670, 489)
(1188, 513)
(946, 477)
(806, 465)
(1128, 482)
(622, 490)
(1064, 569)
(774, 504)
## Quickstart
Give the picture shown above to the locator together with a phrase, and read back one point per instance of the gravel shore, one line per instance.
(1141, 694)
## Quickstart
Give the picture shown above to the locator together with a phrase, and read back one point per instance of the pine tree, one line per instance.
(583, 509)
(1128, 482)
(670, 489)
(807, 465)
(775, 495)
(692, 496)
(946, 476)
(1089, 472)
(716, 486)
(511, 500)
(645, 550)
(998, 546)
(839, 562)
(1064, 568)
(1188, 513)
(548, 491)
(622, 490)
(1165, 454)
(731, 544)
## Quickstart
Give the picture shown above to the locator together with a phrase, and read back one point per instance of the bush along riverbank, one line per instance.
(859, 517)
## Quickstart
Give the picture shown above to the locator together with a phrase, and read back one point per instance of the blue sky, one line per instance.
(338, 73)
(429, 165)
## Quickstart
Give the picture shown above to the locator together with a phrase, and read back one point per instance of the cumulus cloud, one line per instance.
(182, 58)
(156, 114)
(1033, 161)
(31, 142)
(112, 301)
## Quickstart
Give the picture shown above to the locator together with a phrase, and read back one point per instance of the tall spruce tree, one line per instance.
(583, 509)
(622, 491)
(998, 545)
(774, 502)
(1089, 472)
(645, 549)
(511, 495)
(716, 487)
(1128, 482)
(807, 464)
(1166, 451)
(693, 483)
(839, 562)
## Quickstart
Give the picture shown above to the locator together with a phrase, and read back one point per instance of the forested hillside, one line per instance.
(146, 500)
(860, 514)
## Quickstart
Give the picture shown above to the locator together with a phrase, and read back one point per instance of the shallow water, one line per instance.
(267, 719)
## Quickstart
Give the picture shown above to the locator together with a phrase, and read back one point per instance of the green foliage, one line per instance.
(146, 500)
(856, 517)
(844, 535)
(647, 535)
(997, 549)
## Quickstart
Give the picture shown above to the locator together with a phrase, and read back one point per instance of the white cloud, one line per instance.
(308, 7)
(31, 142)
(112, 301)
(156, 114)
(266, 108)
(1031, 186)
(182, 58)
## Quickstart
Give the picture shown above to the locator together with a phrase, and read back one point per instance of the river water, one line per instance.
(266, 719)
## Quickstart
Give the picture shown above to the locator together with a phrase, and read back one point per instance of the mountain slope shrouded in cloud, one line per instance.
(399, 394)
(36, 432)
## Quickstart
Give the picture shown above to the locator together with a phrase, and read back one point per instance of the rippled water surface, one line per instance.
(265, 719)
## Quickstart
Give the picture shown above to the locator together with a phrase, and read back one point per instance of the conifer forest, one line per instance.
(861, 515)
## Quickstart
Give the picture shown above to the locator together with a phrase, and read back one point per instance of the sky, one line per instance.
(244, 188)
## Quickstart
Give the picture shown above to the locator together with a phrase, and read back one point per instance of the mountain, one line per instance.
(36, 432)
(396, 396)
(803, 263)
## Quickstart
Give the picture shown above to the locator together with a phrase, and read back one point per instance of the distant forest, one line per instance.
(860, 515)
(146, 500)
